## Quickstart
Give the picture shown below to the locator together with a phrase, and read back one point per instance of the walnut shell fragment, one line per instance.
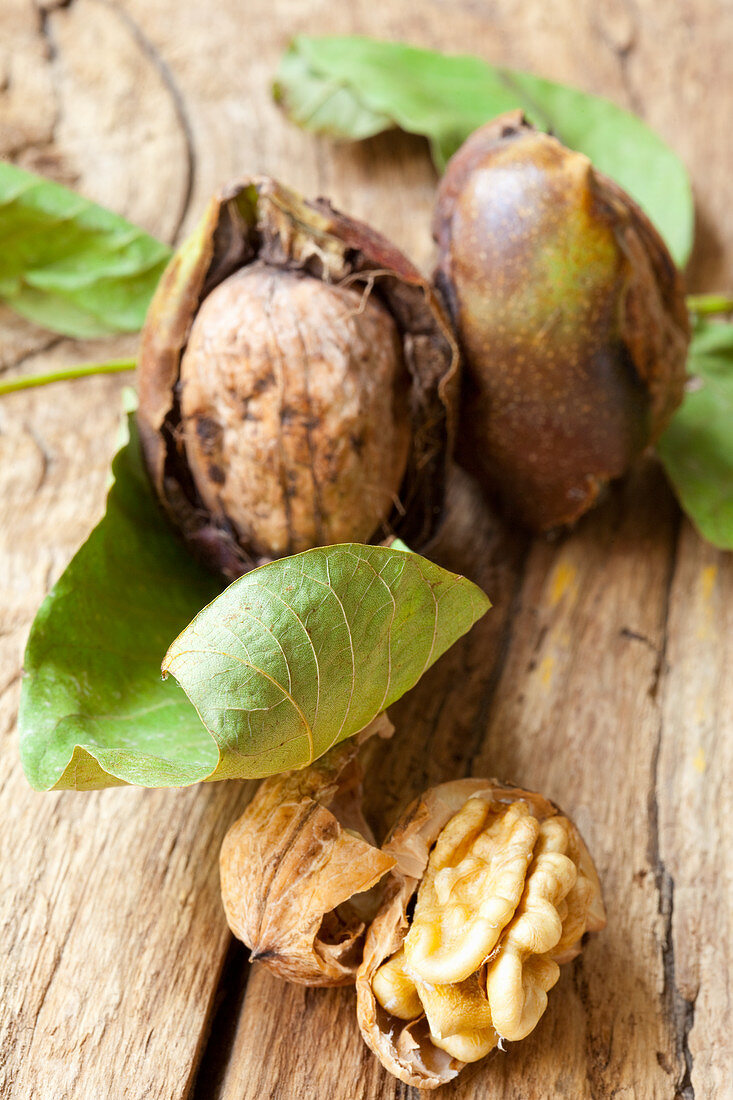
(297, 380)
(293, 864)
(493, 888)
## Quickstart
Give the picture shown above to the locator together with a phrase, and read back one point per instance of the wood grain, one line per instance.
(600, 676)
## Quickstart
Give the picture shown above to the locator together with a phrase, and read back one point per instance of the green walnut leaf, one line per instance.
(350, 627)
(697, 447)
(302, 653)
(94, 711)
(71, 265)
(354, 87)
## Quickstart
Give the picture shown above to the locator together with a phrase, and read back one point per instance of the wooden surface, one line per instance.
(601, 676)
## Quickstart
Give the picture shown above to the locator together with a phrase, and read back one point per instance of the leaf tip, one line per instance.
(480, 603)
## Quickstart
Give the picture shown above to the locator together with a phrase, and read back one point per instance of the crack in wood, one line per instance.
(541, 635)
(44, 456)
(680, 1009)
(44, 28)
(179, 107)
(661, 665)
(598, 1050)
(47, 345)
(46, 6)
(632, 635)
(218, 1038)
(481, 720)
(623, 52)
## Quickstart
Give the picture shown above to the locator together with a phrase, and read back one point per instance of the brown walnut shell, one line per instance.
(570, 315)
(323, 413)
(294, 865)
(403, 1042)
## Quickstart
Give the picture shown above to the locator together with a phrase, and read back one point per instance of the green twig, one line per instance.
(703, 305)
(115, 366)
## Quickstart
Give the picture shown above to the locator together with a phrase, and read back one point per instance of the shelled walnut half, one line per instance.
(493, 888)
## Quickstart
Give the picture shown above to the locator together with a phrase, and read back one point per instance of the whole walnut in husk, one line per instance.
(570, 315)
(296, 378)
(493, 889)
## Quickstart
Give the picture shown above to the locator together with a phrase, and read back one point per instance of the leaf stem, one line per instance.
(704, 305)
(82, 370)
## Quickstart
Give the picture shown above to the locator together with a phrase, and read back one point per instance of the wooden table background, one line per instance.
(599, 677)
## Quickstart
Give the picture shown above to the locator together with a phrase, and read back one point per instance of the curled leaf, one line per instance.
(94, 711)
(305, 651)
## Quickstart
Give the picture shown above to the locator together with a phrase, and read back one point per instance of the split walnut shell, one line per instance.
(297, 381)
(570, 315)
(297, 868)
(492, 890)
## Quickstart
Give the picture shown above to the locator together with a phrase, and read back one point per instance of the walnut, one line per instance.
(503, 890)
(294, 410)
(298, 866)
(297, 382)
(570, 315)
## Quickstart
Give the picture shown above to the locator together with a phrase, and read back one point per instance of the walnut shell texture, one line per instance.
(294, 409)
(571, 318)
(292, 865)
(493, 888)
(298, 383)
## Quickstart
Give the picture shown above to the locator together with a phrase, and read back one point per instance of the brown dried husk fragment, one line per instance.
(258, 221)
(292, 864)
(403, 1046)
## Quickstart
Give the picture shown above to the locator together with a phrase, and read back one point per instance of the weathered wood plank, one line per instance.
(578, 681)
(693, 768)
(438, 730)
(575, 715)
(112, 937)
(111, 922)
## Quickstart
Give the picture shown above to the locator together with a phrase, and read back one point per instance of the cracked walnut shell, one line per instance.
(297, 384)
(294, 409)
(493, 888)
(298, 866)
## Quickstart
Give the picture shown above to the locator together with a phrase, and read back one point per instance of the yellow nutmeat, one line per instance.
(471, 889)
(504, 889)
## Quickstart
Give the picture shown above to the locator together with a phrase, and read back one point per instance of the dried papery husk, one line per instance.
(570, 315)
(298, 865)
(257, 225)
(429, 1030)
